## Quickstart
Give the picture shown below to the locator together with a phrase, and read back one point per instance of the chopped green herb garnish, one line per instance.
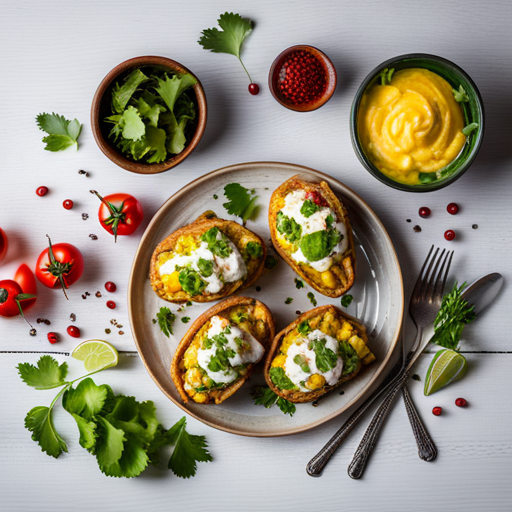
(263, 395)
(346, 300)
(304, 328)
(288, 227)
(280, 379)
(205, 267)
(298, 283)
(191, 281)
(218, 245)
(254, 250)
(349, 356)
(461, 96)
(185, 319)
(165, 319)
(309, 208)
(326, 359)
(318, 245)
(289, 300)
(300, 360)
(215, 196)
(312, 299)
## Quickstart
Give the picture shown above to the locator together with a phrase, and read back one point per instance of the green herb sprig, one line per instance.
(263, 395)
(62, 133)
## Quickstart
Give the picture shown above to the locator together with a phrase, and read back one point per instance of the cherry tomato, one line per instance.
(25, 278)
(10, 296)
(316, 198)
(119, 214)
(60, 265)
(4, 244)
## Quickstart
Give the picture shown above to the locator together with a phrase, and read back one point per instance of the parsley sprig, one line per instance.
(453, 315)
(263, 395)
(124, 434)
(62, 133)
(242, 202)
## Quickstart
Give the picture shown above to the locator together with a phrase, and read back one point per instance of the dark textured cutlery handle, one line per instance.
(426, 448)
(367, 444)
(320, 460)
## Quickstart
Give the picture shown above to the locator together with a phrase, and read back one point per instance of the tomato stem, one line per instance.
(57, 269)
(116, 214)
(17, 299)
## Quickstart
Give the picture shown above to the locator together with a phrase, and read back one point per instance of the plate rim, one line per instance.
(204, 178)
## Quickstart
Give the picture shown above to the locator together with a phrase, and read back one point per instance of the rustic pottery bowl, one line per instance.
(275, 78)
(100, 109)
(473, 113)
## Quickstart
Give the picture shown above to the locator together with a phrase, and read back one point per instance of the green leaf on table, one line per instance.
(263, 395)
(61, 133)
(47, 375)
(87, 399)
(87, 431)
(346, 300)
(39, 421)
(188, 450)
(110, 444)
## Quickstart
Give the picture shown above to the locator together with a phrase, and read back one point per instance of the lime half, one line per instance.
(447, 366)
(96, 355)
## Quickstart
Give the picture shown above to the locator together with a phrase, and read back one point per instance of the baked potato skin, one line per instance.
(222, 308)
(297, 396)
(238, 234)
(344, 271)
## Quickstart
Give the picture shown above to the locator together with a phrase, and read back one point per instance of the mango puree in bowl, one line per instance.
(411, 126)
(417, 122)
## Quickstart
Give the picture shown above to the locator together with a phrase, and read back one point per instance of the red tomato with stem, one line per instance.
(11, 297)
(119, 214)
(60, 265)
(4, 244)
(25, 278)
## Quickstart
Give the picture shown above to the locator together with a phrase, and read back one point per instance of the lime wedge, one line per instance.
(447, 366)
(96, 355)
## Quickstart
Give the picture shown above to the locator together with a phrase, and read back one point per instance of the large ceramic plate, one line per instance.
(378, 298)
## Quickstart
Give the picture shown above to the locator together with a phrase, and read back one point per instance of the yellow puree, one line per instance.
(412, 125)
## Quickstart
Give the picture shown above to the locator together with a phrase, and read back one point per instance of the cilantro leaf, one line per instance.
(304, 328)
(132, 126)
(170, 89)
(242, 202)
(110, 445)
(461, 96)
(189, 449)
(39, 421)
(47, 375)
(165, 319)
(346, 300)
(286, 406)
(308, 208)
(61, 132)
(185, 319)
(325, 358)
(87, 431)
(289, 227)
(87, 399)
(280, 379)
(150, 112)
(349, 356)
(263, 395)
(191, 282)
(205, 267)
(235, 29)
(122, 94)
(218, 244)
(312, 299)
(298, 283)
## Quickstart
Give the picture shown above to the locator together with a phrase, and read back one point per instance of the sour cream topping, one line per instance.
(301, 347)
(225, 270)
(292, 205)
(243, 355)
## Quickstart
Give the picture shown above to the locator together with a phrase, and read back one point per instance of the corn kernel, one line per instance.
(200, 398)
(314, 322)
(328, 279)
(369, 358)
(194, 377)
(186, 244)
(359, 346)
(190, 357)
(279, 361)
(172, 282)
(315, 381)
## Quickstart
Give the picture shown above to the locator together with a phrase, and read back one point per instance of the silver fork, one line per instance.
(425, 302)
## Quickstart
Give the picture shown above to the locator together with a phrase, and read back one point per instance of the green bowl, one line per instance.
(473, 113)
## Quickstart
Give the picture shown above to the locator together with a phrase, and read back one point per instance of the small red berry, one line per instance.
(436, 411)
(53, 337)
(73, 331)
(42, 191)
(68, 204)
(449, 234)
(424, 211)
(111, 304)
(254, 89)
(110, 286)
(461, 402)
(452, 208)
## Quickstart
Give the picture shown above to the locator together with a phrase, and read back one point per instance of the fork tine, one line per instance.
(434, 277)
(417, 285)
(441, 282)
(425, 277)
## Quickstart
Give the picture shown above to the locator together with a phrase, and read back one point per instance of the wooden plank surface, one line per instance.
(55, 53)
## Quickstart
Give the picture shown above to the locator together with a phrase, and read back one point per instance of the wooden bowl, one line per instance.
(100, 109)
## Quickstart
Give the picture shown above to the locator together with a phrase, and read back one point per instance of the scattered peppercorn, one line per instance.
(416, 377)
(424, 212)
(121, 332)
(461, 402)
(81, 171)
(93, 237)
(449, 234)
(298, 312)
(68, 204)
(436, 411)
(408, 220)
(452, 208)
(342, 392)
(258, 288)
(475, 226)
(111, 304)
(72, 317)
(98, 294)
(417, 229)
(316, 403)
(153, 320)
(53, 337)
(85, 216)
(84, 296)
(110, 287)
(32, 332)
(108, 331)
(119, 326)
(42, 191)
(47, 322)
(73, 331)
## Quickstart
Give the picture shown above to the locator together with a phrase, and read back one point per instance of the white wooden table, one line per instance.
(55, 53)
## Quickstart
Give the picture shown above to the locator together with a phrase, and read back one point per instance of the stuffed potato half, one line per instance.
(320, 350)
(219, 351)
(311, 230)
(206, 260)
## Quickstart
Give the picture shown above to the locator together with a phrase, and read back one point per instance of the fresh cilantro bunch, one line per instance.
(62, 133)
(242, 202)
(123, 434)
(263, 395)
(151, 115)
(230, 39)
(453, 315)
